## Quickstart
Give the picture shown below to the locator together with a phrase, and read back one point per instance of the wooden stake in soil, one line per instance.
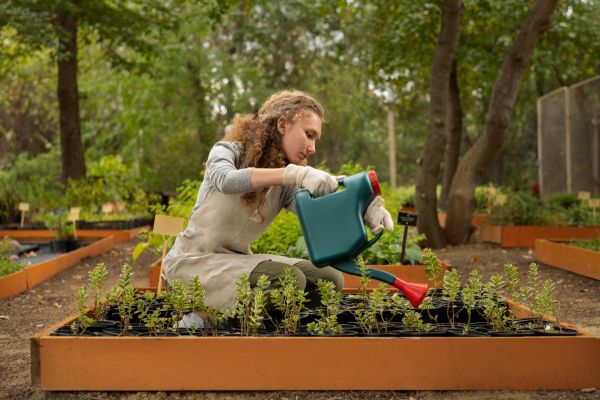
(73, 217)
(23, 207)
(107, 208)
(166, 226)
(594, 203)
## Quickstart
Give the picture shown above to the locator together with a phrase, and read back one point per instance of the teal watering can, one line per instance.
(335, 233)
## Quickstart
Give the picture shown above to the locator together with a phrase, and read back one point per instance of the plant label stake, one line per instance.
(335, 233)
(23, 207)
(73, 217)
(107, 208)
(594, 203)
(583, 196)
(406, 219)
(166, 226)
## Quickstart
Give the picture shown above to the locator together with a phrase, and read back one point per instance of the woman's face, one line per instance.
(300, 137)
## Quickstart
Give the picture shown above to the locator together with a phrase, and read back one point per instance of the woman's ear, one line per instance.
(281, 125)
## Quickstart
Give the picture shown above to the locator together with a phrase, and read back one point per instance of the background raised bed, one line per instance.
(35, 274)
(570, 258)
(524, 236)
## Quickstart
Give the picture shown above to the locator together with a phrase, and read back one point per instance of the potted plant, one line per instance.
(327, 322)
(290, 301)
(63, 231)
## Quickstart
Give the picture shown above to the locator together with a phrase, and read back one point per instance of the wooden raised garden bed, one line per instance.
(409, 273)
(581, 261)
(42, 235)
(313, 363)
(33, 275)
(525, 236)
(479, 220)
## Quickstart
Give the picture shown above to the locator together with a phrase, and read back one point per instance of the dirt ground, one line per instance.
(23, 315)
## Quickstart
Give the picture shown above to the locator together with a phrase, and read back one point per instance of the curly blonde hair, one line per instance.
(260, 138)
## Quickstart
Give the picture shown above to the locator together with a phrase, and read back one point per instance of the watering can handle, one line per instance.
(369, 243)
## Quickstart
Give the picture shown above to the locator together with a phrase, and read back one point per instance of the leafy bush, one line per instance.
(558, 210)
(592, 244)
(109, 180)
(32, 180)
(388, 249)
(8, 257)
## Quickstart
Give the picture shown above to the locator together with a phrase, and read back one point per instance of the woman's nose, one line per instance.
(311, 149)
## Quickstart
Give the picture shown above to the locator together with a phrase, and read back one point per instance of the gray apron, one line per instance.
(216, 245)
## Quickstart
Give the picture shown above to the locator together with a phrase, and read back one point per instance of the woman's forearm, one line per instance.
(265, 177)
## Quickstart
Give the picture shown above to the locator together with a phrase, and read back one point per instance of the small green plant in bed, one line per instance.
(524, 209)
(591, 244)
(388, 249)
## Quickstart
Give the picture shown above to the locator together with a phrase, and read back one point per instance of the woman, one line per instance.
(250, 176)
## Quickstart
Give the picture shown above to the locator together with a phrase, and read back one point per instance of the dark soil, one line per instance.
(23, 315)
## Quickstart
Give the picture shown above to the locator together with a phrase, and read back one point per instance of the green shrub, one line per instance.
(592, 244)
(108, 180)
(32, 180)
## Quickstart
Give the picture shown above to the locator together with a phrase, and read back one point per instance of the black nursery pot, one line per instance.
(73, 244)
(58, 246)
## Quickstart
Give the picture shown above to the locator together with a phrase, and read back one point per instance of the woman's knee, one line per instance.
(314, 273)
(336, 277)
(300, 277)
(274, 271)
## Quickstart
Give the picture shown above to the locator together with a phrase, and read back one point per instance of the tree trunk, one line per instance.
(73, 162)
(482, 153)
(454, 136)
(431, 157)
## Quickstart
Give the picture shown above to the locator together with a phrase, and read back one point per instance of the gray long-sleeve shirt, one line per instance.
(223, 174)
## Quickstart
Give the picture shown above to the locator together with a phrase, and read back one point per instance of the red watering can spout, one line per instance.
(415, 292)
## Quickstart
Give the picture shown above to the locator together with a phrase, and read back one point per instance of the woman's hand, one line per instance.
(377, 217)
(318, 183)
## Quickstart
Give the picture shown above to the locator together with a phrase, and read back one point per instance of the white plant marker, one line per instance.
(501, 199)
(583, 196)
(23, 207)
(594, 203)
(107, 208)
(73, 217)
(166, 226)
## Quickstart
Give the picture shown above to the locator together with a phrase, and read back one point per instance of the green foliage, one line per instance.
(327, 323)
(123, 296)
(526, 209)
(450, 292)
(83, 320)
(494, 313)
(591, 244)
(289, 299)
(8, 266)
(59, 224)
(109, 180)
(433, 270)
(9, 260)
(388, 249)
(34, 180)
(251, 303)
(414, 320)
(282, 233)
(97, 277)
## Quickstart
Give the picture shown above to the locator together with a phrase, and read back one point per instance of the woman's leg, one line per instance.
(274, 270)
(313, 274)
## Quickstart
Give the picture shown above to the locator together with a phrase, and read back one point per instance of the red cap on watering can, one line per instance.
(374, 183)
